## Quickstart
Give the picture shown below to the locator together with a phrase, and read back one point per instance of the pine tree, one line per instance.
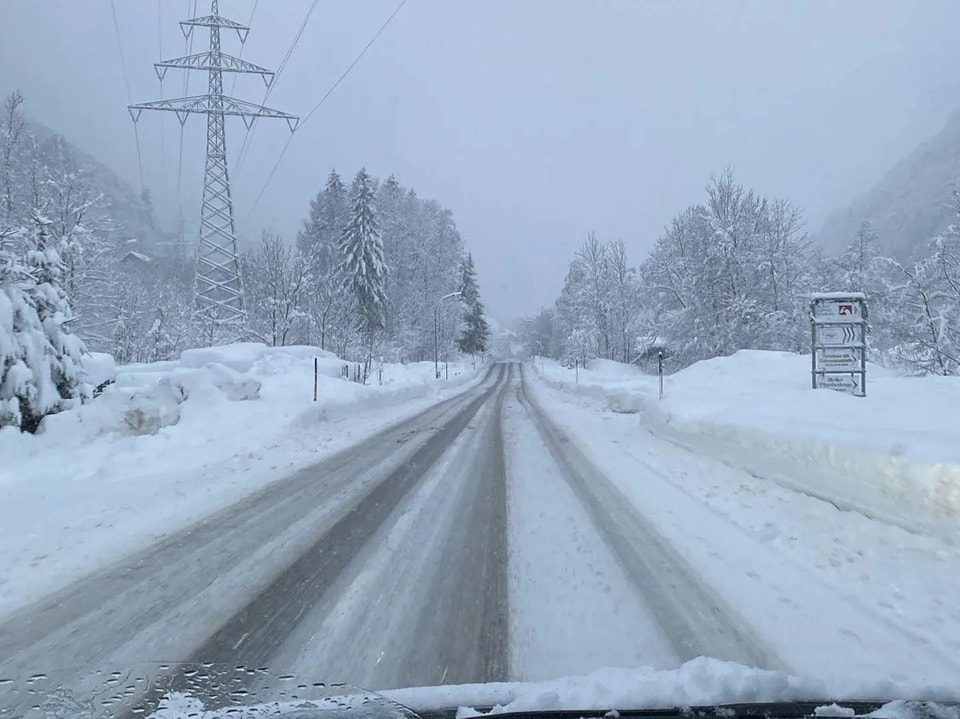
(15, 376)
(363, 269)
(318, 239)
(62, 366)
(40, 369)
(476, 331)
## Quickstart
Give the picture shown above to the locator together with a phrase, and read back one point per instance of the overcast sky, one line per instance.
(535, 121)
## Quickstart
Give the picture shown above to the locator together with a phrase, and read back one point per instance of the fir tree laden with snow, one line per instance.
(362, 267)
(39, 356)
(476, 331)
(62, 368)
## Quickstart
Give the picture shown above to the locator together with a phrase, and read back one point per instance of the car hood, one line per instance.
(701, 687)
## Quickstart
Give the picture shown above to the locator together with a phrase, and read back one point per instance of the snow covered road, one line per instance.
(510, 534)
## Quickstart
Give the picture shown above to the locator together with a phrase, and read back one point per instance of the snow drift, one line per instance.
(893, 455)
(169, 442)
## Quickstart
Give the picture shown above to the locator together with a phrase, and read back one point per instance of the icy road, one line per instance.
(485, 540)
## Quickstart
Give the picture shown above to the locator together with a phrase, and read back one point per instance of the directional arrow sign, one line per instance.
(839, 382)
(838, 334)
(839, 360)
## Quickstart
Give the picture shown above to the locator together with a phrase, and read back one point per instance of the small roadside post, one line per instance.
(315, 372)
(838, 352)
(576, 367)
(660, 371)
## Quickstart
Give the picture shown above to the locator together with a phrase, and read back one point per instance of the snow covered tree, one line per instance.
(540, 334)
(55, 314)
(39, 356)
(11, 136)
(476, 331)
(18, 317)
(925, 336)
(422, 255)
(729, 274)
(330, 310)
(275, 279)
(362, 266)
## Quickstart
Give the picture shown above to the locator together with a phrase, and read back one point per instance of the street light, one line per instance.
(436, 332)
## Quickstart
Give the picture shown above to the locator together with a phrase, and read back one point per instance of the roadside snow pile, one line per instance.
(894, 454)
(169, 442)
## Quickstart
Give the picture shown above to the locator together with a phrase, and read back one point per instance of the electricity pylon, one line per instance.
(219, 288)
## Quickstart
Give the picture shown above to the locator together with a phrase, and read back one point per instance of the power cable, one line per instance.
(163, 151)
(126, 82)
(188, 48)
(322, 100)
(243, 45)
(248, 135)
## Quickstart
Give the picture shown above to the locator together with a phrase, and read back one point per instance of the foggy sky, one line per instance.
(534, 121)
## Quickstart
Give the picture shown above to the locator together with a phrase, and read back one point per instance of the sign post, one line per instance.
(838, 326)
(660, 371)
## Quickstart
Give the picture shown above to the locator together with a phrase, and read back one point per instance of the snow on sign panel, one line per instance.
(839, 326)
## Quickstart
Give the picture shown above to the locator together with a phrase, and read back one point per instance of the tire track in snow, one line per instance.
(696, 621)
(162, 602)
(573, 609)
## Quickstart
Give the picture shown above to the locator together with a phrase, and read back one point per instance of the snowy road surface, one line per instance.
(487, 539)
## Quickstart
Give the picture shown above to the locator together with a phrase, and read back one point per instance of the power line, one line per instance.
(188, 47)
(243, 45)
(322, 100)
(163, 150)
(248, 135)
(126, 82)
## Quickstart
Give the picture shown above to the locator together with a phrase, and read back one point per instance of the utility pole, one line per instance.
(219, 304)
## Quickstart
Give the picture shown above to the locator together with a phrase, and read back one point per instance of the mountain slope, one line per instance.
(130, 211)
(909, 205)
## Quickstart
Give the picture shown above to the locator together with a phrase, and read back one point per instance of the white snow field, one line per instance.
(843, 568)
(172, 442)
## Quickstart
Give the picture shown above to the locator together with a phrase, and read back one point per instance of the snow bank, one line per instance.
(894, 454)
(169, 442)
(98, 367)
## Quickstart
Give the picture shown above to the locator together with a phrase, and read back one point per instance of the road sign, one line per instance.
(833, 335)
(840, 382)
(845, 360)
(839, 333)
(839, 309)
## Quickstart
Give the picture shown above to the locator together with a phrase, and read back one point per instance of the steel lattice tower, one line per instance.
(219, 288)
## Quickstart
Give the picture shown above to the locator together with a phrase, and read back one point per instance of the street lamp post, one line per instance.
(436, 332)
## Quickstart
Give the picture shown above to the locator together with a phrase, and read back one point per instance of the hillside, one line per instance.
(909, 205)
(130, 213)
